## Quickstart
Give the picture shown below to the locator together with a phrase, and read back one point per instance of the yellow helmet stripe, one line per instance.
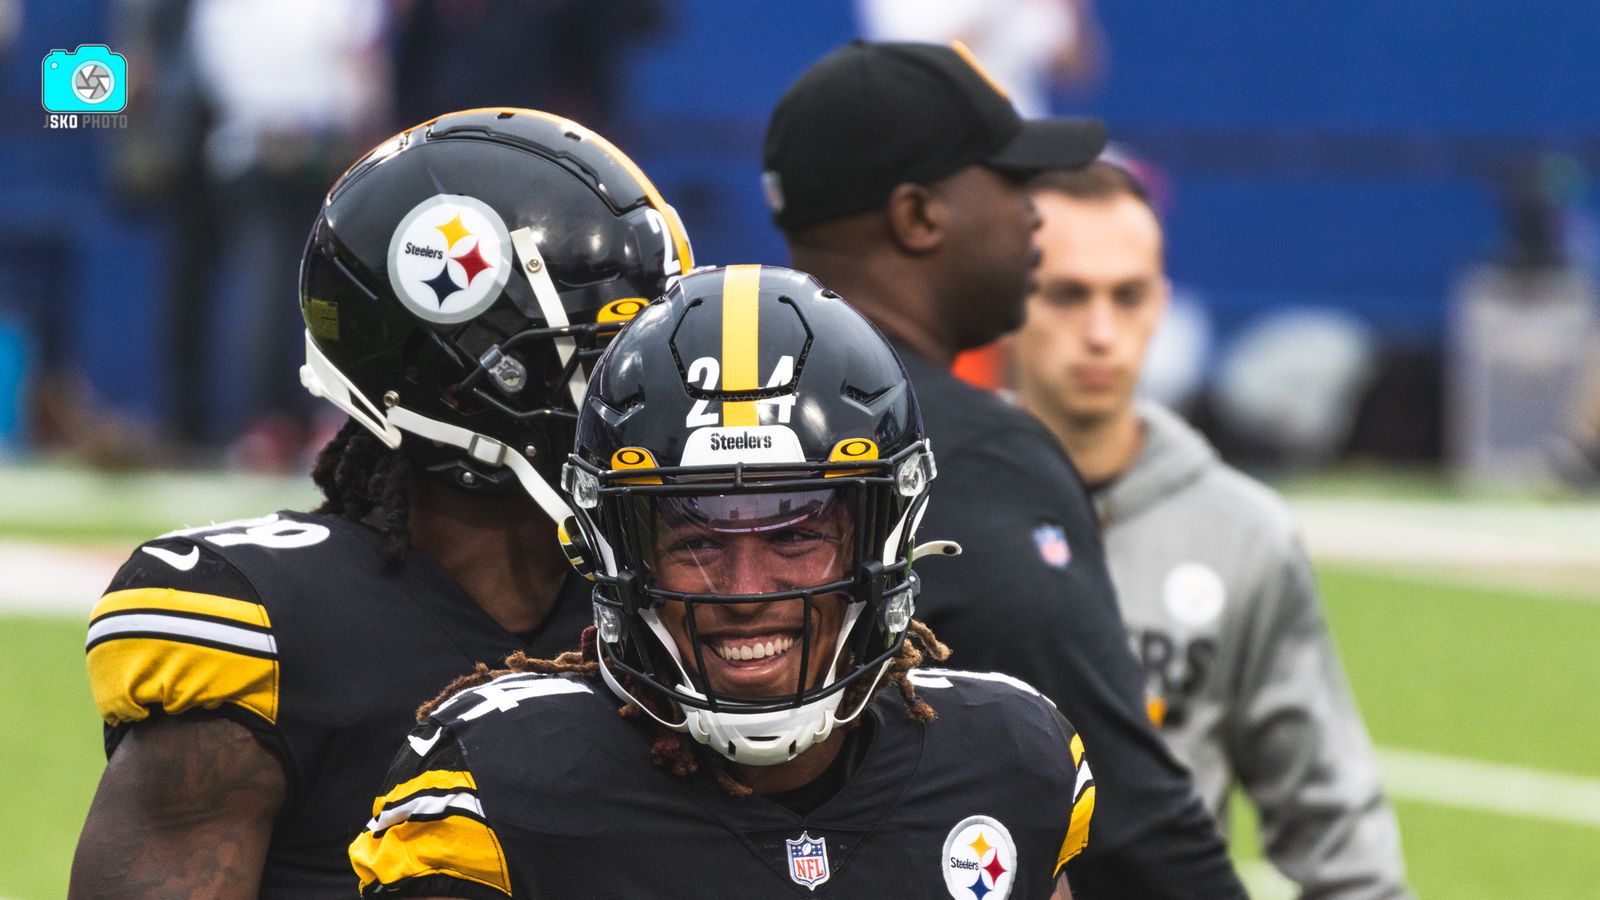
(741, 330)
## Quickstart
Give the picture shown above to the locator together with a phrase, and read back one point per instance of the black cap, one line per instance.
(870, 116)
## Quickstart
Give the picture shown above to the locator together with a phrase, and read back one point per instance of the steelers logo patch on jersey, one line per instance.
(449, 258)
(980, 859)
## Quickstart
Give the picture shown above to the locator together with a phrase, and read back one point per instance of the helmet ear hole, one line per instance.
(575, 547)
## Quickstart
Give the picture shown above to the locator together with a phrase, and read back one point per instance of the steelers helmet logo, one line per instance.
(450, 258)
(980, 859)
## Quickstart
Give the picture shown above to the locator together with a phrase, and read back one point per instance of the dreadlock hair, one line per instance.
(670, 750)
(358, 473)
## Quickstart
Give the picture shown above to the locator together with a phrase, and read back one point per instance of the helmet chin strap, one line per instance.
(322, 379)
(734, 734)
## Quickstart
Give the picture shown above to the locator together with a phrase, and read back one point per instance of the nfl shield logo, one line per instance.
(1052, 543)
(808, 860)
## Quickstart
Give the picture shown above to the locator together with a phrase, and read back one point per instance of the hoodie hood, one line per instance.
(1174, 456)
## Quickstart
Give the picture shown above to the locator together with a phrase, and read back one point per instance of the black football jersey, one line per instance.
(533, 786)
(290, 625)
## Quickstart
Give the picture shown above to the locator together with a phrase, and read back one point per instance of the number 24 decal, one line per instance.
(706, 371)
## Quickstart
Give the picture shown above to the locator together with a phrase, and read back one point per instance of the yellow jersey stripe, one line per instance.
(131, 676)
(1078, 829)
(172, 600)
(457, 846)
(741, 332)
(1077, 750)
(431, 780)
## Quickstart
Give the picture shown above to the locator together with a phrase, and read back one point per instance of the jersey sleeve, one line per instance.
(178, 630)
(1083, 793)
(428, 834)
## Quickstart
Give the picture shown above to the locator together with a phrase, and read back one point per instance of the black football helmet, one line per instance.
(462, 274)
(749, 403)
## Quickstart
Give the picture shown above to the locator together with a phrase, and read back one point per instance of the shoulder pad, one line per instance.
(429, 823)
(179, 629)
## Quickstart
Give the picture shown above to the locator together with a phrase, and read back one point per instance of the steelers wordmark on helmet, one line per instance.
(449, 258)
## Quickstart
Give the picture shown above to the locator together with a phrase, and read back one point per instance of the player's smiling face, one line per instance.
(753, 544)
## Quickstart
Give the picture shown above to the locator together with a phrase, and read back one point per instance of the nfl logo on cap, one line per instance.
(808, 860)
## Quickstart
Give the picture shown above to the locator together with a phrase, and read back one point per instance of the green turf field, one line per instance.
(1495, 676)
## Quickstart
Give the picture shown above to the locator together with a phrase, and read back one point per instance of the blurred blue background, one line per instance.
(1351, 155)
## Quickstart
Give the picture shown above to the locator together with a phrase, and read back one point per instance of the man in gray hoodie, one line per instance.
(1218, 597)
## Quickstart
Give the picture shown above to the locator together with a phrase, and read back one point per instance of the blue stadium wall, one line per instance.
(1342, 154)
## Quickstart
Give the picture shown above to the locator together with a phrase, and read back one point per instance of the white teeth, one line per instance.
(754, 651)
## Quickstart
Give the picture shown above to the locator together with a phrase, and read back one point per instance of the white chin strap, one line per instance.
(323, 379)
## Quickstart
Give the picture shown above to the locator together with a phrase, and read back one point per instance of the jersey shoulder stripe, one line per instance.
(179, 637)
(1083, 794)
(430, 826)
(1009, 691)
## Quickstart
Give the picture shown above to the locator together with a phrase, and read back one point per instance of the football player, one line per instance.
(255, 675)
(749, 473)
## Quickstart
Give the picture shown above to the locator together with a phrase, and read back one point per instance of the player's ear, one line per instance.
(575, 547)
(917, 218)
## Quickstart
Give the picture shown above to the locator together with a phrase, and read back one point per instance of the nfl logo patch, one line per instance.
(1052, 543)
(808, 860)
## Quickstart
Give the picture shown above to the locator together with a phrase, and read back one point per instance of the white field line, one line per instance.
(54, 579)
(1552, 549)
(1491, 787)
(1475, 534)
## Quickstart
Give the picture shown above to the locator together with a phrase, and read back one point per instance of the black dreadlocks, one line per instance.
(359, 474)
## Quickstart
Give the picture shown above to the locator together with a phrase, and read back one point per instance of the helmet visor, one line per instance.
(747, 543)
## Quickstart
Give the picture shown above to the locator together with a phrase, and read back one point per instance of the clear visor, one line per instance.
(746, 543)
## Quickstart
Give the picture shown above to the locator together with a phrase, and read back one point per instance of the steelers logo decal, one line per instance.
(980, 859)
(450, 258)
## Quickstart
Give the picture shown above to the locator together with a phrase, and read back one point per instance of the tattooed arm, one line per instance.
(185, 809)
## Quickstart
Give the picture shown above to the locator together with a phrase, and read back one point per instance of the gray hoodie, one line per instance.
(1222, 611)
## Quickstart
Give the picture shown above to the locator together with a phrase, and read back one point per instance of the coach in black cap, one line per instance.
(896, 172)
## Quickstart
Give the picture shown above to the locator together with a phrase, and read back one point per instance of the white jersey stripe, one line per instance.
(425, 806)
(1084, 777)
(181, 627)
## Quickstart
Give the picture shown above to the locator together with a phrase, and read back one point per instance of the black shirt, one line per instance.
(293, 626)
(531, 786)
(1031, 596)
